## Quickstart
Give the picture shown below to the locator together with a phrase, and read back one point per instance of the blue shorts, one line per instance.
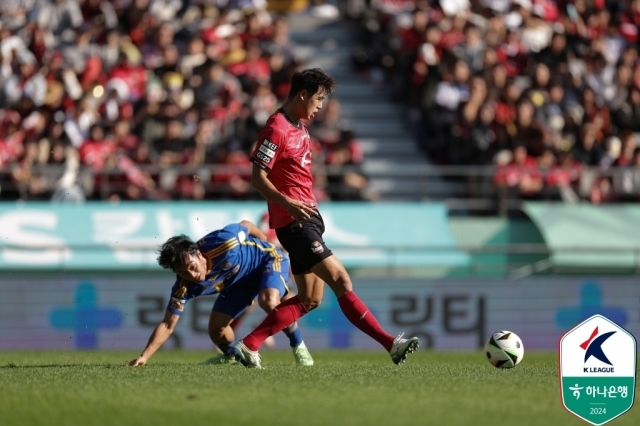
(239, 297)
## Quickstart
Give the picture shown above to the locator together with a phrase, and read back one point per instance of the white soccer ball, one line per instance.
(504, 349)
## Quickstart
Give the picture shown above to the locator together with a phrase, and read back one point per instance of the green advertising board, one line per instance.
(125, 236)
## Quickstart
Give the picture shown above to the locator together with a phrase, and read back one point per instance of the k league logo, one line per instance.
(593, 348)
(597, 370)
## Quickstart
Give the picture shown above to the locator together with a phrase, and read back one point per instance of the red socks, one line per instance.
(357, 312)
(288, 312)
(285, 314)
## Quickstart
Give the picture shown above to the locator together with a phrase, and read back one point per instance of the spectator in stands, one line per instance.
(173, 149)
(346, 179)
(111, 89)
(521, 175)
(563, 75)
(628, 149)
(328, 128)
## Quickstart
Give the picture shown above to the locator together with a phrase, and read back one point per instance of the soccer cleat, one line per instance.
(219, 360)
(245, 356)
(403, 347)
(302, 355)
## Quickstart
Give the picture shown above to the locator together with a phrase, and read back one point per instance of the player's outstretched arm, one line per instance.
(160, 335)
(298, 209)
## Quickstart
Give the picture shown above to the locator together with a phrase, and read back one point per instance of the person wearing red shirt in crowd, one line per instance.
(235, 183)
(512, 54)
(521, 173)
(629, 145)
(135, 76)
(254, 69)
(565, 173)
(95, 151)
(124, 140)
(11, 137)
(455, 35)
(282, 174)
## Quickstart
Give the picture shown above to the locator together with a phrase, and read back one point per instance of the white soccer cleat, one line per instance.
(302, 355)
(403, 347)
(245, 356)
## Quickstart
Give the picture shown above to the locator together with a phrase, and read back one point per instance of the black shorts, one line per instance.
(304, 243)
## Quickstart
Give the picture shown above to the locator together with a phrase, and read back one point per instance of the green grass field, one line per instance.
(343, 388)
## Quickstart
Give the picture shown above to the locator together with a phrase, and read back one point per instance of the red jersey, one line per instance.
(284, 152)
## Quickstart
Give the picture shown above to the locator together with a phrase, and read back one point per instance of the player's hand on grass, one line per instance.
(300, 210)
(138, 362)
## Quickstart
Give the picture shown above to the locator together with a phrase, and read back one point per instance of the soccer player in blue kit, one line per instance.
(235, 262)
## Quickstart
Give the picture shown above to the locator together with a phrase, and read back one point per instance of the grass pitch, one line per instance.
(343, 388)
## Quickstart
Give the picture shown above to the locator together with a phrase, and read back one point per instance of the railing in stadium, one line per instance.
(465, 186)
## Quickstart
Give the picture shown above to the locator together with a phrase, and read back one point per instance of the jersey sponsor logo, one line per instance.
(316, 247)
(268, 144)
(262, 157)
(177, 304)
(306, 158)
(266, 151)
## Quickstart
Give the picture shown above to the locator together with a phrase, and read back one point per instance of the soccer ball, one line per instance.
(504, 349)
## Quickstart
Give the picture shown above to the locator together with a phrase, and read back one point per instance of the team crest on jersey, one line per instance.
(316, 247)
(213, 278)
(177, 304)
(225, 265)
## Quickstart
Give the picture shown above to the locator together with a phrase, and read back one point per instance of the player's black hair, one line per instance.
(311, 80)
(174, 251)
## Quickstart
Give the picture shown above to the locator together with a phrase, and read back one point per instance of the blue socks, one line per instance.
(294, 335)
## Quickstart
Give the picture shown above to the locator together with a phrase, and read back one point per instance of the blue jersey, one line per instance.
(234, 258)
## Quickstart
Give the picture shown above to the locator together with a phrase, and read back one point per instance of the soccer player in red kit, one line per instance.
(282, 174)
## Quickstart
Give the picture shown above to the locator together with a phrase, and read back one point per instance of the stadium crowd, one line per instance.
(546, 91)
(147, 100)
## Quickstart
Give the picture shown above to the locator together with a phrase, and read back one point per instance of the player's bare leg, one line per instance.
(268, 299)
(222, 335)
(331, 271)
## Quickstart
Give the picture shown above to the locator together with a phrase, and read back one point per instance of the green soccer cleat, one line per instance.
(302, 355)
(403, 347)
(219, 360)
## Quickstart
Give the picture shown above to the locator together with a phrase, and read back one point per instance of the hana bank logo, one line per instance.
(593, 348)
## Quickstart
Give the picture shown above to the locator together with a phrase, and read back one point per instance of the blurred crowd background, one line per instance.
(546, 91)
(163, 99)
(129, 99)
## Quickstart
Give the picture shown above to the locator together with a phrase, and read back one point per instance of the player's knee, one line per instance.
(268, 302)
(312, 303)
(342, 280)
